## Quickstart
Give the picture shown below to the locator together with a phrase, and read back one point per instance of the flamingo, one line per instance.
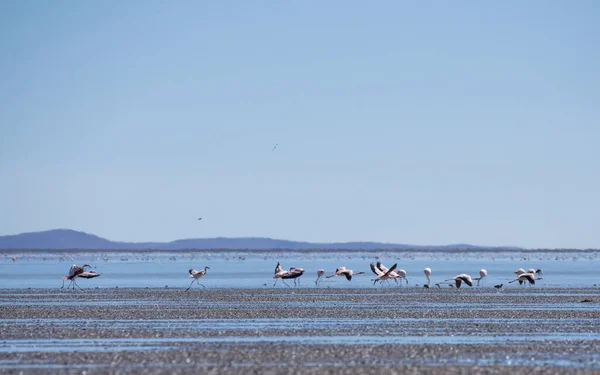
(526, 277)
(74, 272)
(196, 275)
(279, 273)
(539, 271)
(519, 271)
(320, 273)
(398, 274)
(342, 271)
(427, 272)
(460, 278)
(482, 275)
(293, 273)
(383, 275)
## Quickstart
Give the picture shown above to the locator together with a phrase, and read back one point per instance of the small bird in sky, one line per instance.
(276, 145)
(199, 218)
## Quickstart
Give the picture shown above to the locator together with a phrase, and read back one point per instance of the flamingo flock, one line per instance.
(380, 271)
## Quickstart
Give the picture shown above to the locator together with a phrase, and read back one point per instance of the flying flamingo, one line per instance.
(482, 275)
(320, 273)
(526, 277)
(342, 271)
(397, 274)
(383, 275)
(196, 275)
(427, 272)
(519, 271)
(293, 273)
(77, 271)
(460, 278)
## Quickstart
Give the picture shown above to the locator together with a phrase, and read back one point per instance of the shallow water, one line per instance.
(251, 269)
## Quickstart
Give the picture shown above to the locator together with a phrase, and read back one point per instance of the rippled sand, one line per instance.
(281, 330)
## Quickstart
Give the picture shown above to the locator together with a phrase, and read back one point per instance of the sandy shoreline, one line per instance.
(277, 330)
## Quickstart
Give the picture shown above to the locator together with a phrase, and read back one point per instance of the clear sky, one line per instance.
(420, 122)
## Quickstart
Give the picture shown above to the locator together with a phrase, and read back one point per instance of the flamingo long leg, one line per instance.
(190, 285)
(285, 283)
(276, 280)
(74, 283)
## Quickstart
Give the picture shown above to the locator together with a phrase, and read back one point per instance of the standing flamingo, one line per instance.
(320, 273)
(342, 271)
(482, 275)
(196, 275)
(427, 272)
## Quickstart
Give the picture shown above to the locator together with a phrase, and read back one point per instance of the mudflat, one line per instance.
(307, 330)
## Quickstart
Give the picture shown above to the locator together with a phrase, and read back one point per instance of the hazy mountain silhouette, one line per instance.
(70, 239)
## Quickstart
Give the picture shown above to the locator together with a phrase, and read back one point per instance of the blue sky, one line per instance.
(410, 122)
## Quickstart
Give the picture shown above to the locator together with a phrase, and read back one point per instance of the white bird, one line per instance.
(519, 271)
(276, 145)
(342, 271)
(427, 272)
(458, 280)
(383, 275)
(196, 275)
(482, 275)
(530, 277)
(320, 273)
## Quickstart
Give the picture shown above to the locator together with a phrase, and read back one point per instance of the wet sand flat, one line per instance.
(309, 330)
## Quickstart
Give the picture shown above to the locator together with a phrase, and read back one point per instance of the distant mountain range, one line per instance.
(69, 239)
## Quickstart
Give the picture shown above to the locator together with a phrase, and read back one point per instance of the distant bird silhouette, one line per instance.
(539, 271)
(459, 279)
(499, 286)
(199, 218)
(276, 145)
(196, 275)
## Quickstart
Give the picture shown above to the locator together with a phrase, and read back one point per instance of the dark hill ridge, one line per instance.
(70, 239)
